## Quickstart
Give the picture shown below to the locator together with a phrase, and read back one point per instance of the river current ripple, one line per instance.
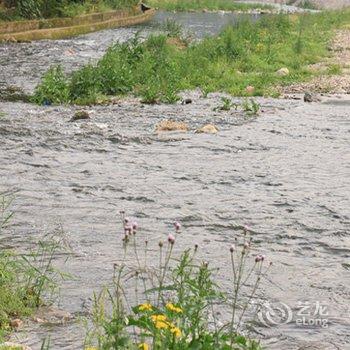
(286, 174)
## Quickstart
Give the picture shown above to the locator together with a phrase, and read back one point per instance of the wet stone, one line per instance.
(80, 115)
(186, 101)
(12, 94)
(171, 125)
(52, 316)
(311, 97)
(207, 129)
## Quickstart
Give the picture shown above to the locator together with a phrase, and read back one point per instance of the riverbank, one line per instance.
(248, 59)
(337, 64)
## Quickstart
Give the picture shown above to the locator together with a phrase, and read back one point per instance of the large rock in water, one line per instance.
(80, 115)
(207, 129)
(171, 125)
(311, 97)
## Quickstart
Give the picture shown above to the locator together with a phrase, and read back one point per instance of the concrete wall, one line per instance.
(66, 32)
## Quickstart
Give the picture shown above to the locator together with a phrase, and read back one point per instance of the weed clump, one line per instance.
(25, 279)
(171, 300)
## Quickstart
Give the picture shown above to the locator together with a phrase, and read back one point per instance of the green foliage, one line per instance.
(334, 69)
(157, 69)
(226, 105)
(171, 301)
(198, 5)
(25, 279)
(250, 107)
(308, 4)
(53, 88)
(172, 28)
(35, 9)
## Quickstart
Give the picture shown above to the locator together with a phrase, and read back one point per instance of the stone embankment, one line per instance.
(59, 28)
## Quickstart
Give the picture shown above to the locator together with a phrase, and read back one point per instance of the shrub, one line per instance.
(53, 88)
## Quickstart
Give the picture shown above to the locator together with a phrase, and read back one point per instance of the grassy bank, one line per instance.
(199, 5)
(25, 280)
(33, 9)
(246, 54)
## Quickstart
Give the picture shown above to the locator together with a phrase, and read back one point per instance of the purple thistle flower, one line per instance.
(258, 258)
(171, 239)
(127, 229)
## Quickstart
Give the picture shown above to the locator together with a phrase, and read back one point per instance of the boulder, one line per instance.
(79, 115)
(283, 72)
(207, 129)
(171, 125)
(310, 97)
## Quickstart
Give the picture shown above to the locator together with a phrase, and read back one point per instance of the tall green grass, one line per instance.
(34, 9)
(25, 279)
(198, 5)
(157, 69)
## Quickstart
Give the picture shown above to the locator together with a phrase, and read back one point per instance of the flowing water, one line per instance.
(286, 174)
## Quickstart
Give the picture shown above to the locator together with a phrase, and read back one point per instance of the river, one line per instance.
(286, 174)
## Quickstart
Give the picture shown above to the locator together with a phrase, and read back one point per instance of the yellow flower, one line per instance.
(143, 346)
(160, 321)
(161, 325)
(145, 307)
(91, 348)
(156, 318)
(173, 308)
(176, 331)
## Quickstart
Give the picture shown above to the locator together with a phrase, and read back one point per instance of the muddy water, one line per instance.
(286, 174)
